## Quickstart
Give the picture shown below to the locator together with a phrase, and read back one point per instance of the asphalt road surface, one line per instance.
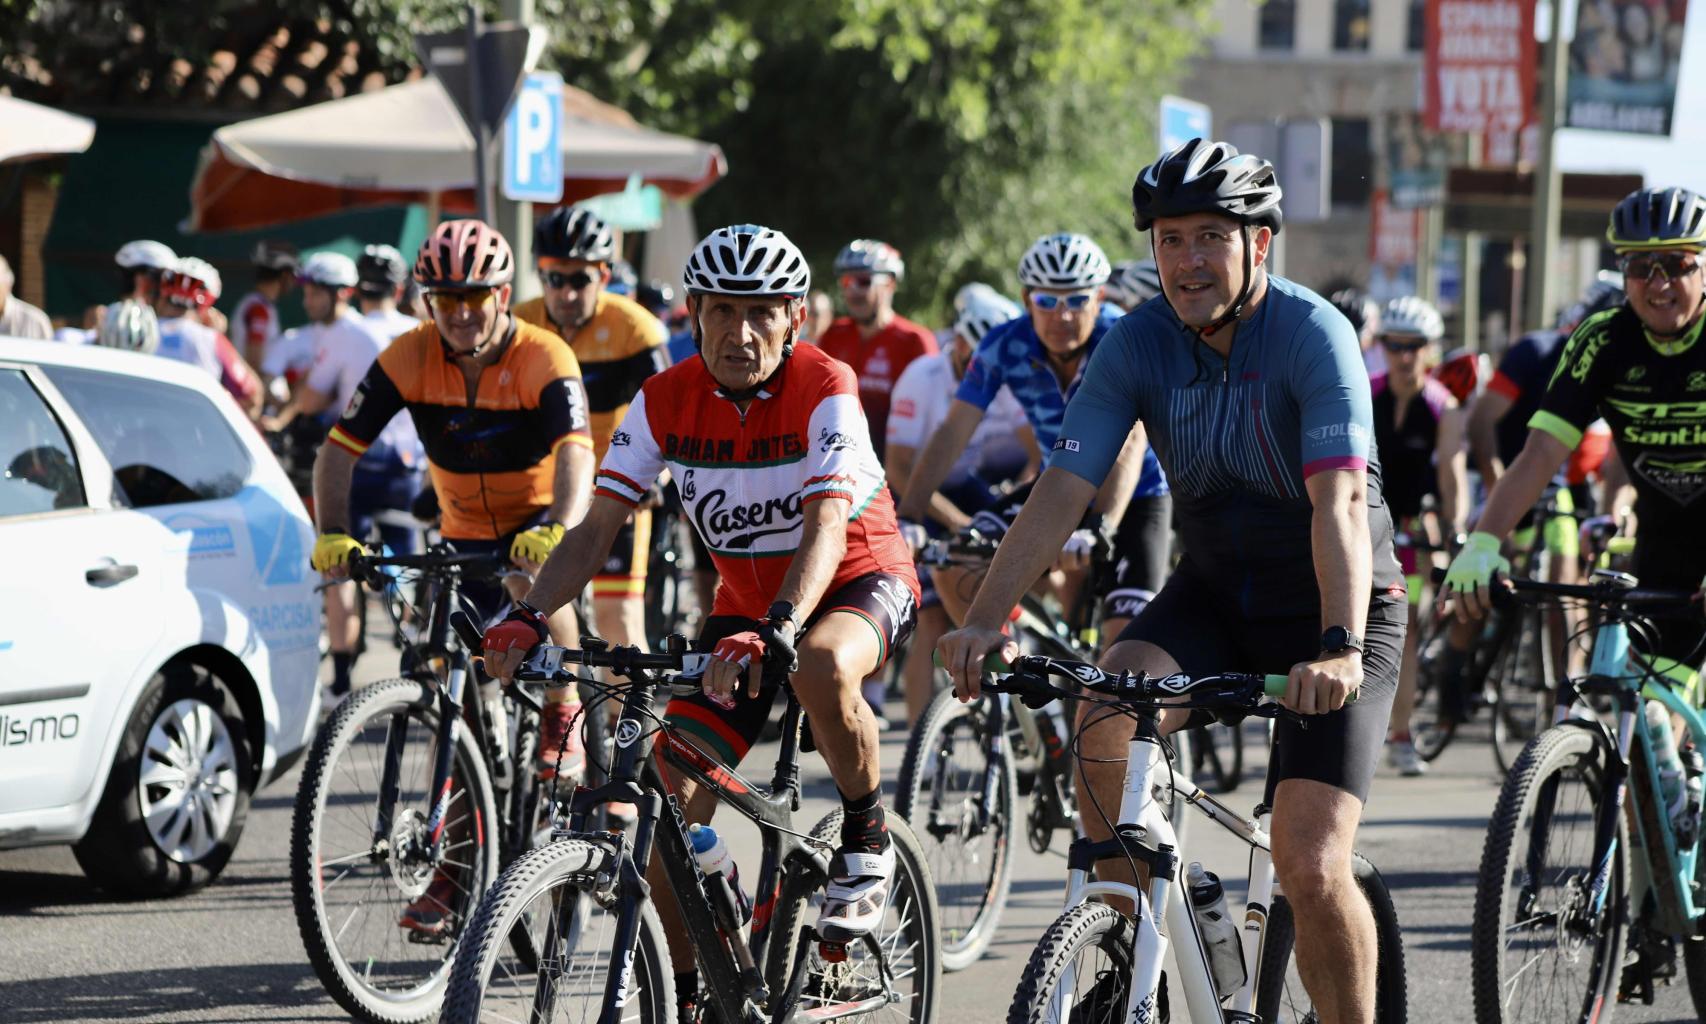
(231, 952)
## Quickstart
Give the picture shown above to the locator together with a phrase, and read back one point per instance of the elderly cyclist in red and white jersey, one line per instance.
(773, 457)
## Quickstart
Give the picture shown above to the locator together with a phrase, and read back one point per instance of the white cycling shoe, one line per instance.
(857, 894)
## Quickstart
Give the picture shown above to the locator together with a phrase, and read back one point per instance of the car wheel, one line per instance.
(178, 793)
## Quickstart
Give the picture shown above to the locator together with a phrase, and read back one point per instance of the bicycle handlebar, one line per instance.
(1607, 588)
(1027, 679)
(545, 663)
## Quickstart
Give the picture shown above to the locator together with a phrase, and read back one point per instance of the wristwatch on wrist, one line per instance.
(1338, 639)
(780, 612)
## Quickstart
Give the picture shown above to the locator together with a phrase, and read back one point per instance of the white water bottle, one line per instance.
(718, 866)
(1665, 758)
(1219, 936)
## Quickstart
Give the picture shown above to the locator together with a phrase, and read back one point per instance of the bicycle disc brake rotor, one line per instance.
(411, 867)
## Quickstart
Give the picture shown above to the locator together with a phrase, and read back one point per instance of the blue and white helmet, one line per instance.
(1064, 261)
(1412, 317)
(1133, 283)
(746, 259)
(983, 310)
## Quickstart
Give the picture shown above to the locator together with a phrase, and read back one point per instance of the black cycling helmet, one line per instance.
(380, 270)
(270, 254)
(1207, 177)
(1658, 218)
(574, 233)
(1358, 308)
(656, 295)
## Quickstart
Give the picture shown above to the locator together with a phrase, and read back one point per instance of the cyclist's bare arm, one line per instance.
(901, 460)
(1522, 485)
(1451, 466)
(1115, 493)
(1344, 572)
(939, 457)
(571, 482)
(1484, 416)
(1033, 454)
(580, 553)
(333, 468)
(1049, 516)
(305, 402)
(823, 545)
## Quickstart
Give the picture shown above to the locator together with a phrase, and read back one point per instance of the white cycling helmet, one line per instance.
(1412, 317)
(192, 273)
(968, 291)
(130, 325)
(982, 311)
(145, 254)
(870, 255)
(1064, 261)
(329, 270)
(1133, 283)
(746, 259)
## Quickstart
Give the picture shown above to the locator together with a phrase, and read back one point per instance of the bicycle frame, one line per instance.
(1141, 819)
(1617, 672)
(728, 962)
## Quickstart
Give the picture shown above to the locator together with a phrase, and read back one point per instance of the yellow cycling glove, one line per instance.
(334, 549)
(1475, 565)
(536, 545)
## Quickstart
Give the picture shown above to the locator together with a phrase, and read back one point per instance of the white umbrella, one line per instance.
(29, 130)
(381, 146)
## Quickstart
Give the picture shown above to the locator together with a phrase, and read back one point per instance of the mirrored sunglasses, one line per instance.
(468, 297)
(1641, 266)
(1049, 302)
(577, 280)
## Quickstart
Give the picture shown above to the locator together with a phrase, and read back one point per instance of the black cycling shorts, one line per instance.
(1677, 566)
(623, 576)
(488, 595)
(1140, 548)
(1140, 556)
(1201, 630)
(880, 599)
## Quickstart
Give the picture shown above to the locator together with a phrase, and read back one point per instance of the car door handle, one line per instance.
(107, 575)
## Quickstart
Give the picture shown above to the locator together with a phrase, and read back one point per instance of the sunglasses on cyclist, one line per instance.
(857, 280)
(1640, 266)
(577, 280)
(1395, 345)
(1048, 302)
(472, 298)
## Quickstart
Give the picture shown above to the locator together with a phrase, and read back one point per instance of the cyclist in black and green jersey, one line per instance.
(1642, 366)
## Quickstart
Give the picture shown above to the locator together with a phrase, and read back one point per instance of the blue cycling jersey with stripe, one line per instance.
(1238, 437)
(1011, 354)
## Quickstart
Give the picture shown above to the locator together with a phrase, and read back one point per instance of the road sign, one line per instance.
(506, 51)
(533, 141)
(1183, 120)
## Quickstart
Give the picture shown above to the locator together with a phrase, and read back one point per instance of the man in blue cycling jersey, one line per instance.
(1040, 358)
(1253, 392)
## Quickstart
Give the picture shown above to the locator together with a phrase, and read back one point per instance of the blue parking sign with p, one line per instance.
(533, 140)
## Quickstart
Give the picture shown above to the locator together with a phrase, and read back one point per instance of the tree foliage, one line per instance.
(958, 130)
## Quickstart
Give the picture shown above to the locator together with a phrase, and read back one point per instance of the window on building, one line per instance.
(1353, 162)
(1277, 27)
(1416, 37)
(1350, 25)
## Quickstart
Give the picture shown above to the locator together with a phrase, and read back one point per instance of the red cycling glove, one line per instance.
(522, 630)
(743, 649)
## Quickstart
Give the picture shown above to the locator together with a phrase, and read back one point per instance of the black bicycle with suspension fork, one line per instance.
(415, 793)
(584, 900)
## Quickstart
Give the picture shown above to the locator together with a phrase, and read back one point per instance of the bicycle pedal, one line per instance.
(832, 952)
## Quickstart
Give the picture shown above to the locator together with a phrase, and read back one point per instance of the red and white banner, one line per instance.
(1481, 61)
(1394, 235)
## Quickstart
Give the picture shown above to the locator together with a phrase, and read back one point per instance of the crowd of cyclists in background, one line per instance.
(528, 428)
(1447, 423)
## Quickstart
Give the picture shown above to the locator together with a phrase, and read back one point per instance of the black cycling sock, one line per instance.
(341, 663)
(1454, 689)
(686, 989)
(863, 827)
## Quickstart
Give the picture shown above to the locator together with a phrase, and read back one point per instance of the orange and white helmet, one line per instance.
(464, 254)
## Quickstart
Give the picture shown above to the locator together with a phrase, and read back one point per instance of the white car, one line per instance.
(158, 622)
